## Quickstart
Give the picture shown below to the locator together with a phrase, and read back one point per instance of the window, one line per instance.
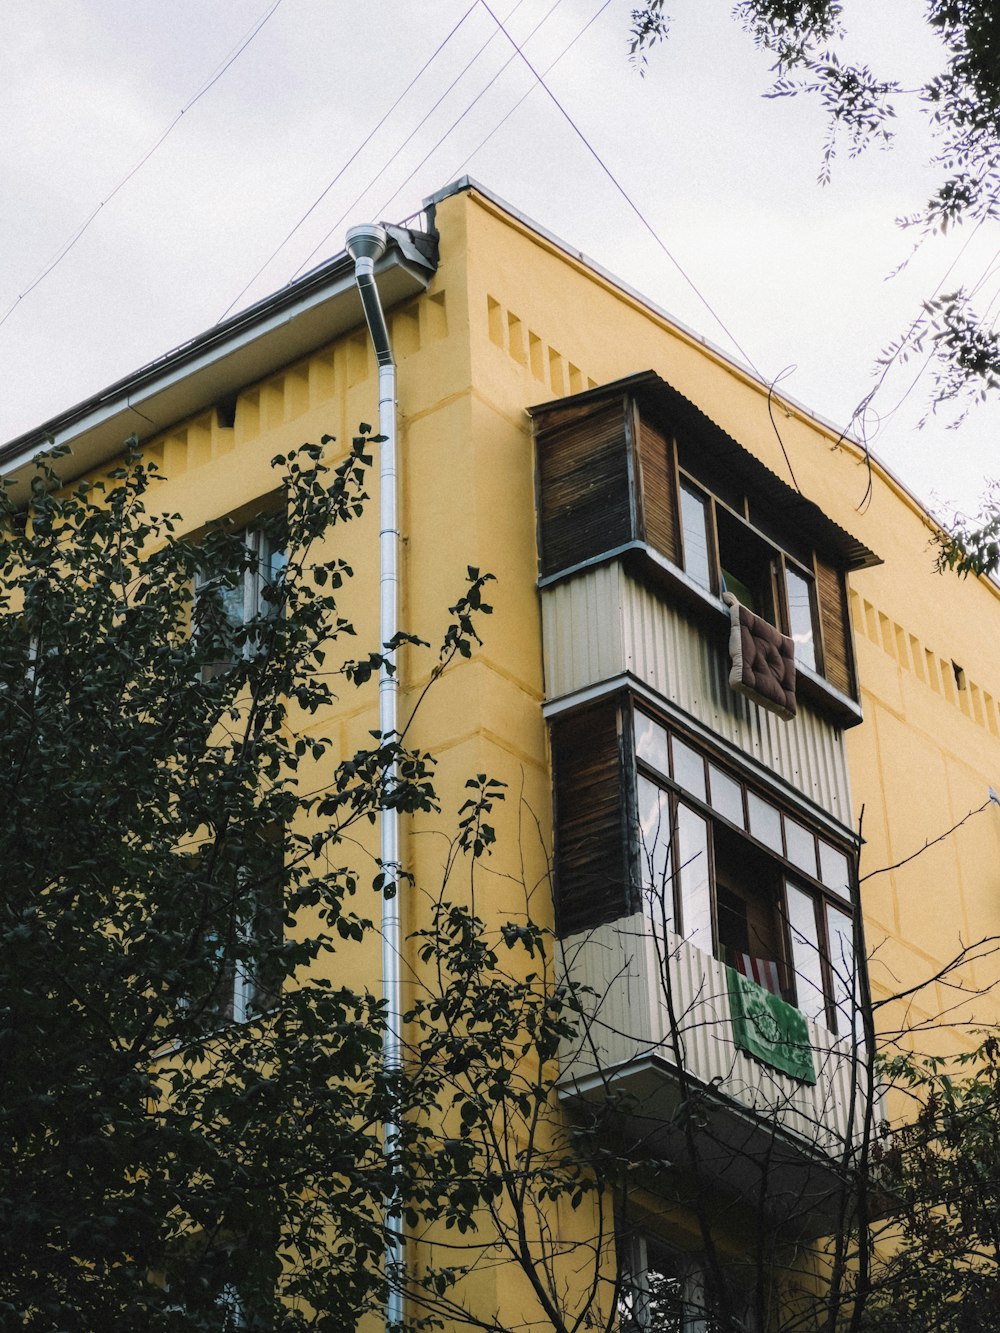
(804, 598)
(236, 590)
(696, 535)
(237, 915)
(248, 983)
(747, 565)
(654, 1293)
(663, 1290)
(723, 552)
(800, 598)
(724, 866)
(218, 1285)
(759, 574)
(232, 1308)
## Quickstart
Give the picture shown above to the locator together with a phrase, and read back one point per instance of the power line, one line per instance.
(213, 79)
(525, 95)
(625, 195)
(409, 138)
(458, 120)
(350, 161)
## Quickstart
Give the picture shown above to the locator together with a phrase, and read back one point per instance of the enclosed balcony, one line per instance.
(700, 673)
(633, 475)
(711, 927)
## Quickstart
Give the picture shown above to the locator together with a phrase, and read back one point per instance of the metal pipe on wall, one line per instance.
(365, 245)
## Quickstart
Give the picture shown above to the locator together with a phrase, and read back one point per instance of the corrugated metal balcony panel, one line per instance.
(603, 623)
(637, 981)
(582, 630)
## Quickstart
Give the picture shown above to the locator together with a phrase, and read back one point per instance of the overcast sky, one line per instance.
(797, 274)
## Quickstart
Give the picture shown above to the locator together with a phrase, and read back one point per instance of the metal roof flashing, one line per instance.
(218, 363)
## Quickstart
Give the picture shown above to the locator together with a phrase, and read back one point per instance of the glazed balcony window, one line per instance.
(726, 868)
(648, 821)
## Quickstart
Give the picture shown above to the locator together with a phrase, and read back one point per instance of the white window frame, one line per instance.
(266, 558)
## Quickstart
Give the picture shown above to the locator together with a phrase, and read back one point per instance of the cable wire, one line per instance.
(409, 138)
(458, 171)
(213, 79)
(483, 91)
(625, 195)
(350, 161)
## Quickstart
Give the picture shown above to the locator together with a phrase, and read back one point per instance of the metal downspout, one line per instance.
(366, 245)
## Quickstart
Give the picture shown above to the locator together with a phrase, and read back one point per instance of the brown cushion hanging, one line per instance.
(763, 660)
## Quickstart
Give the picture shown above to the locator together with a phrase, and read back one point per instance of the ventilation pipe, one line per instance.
(366, 245)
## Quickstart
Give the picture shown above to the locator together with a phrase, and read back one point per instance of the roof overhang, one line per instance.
(215, 365)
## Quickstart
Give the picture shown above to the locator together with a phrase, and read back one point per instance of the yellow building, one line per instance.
(618, 475)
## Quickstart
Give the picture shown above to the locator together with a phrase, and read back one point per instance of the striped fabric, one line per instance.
(762, 970)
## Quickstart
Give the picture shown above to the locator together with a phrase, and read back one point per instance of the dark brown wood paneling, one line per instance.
(591, 882)
(584, 495)
(835, 627)
(659, 490)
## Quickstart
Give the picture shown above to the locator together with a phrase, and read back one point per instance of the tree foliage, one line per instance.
(174, 840)
(179, 841)
(960, 102)
(971, 545)
(942, 1173)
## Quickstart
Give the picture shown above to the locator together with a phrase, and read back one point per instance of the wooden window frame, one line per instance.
(781, 561)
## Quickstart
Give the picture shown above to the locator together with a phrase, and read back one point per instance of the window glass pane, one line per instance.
(274, 569)
(224, 615)
(834, 869)
(726, 795)
(233, 602)
(692, 861)
(664, 1292)
(746, 564)
(694, 521)
(805, 954)
(840, 932)
(651, 743)
(765, 821)
(801, 846)
(800, 616)
(654, 854)
(651, 1297)
(689, 769)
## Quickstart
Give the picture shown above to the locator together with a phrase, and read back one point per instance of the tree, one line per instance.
(184, 1128)
(191, 1111)
(941, 1171)
(493, 1041)
(961, 105)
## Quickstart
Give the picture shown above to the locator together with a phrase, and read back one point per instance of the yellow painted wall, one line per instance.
(542, 324)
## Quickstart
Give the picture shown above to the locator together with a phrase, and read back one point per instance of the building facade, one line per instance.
(729, 872)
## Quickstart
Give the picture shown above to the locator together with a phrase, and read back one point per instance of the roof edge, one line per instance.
(222, 359)
(839, 436)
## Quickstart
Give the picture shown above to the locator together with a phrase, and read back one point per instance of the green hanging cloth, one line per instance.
(769, 1029)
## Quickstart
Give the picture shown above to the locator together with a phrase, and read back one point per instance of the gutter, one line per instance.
(216, 365)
